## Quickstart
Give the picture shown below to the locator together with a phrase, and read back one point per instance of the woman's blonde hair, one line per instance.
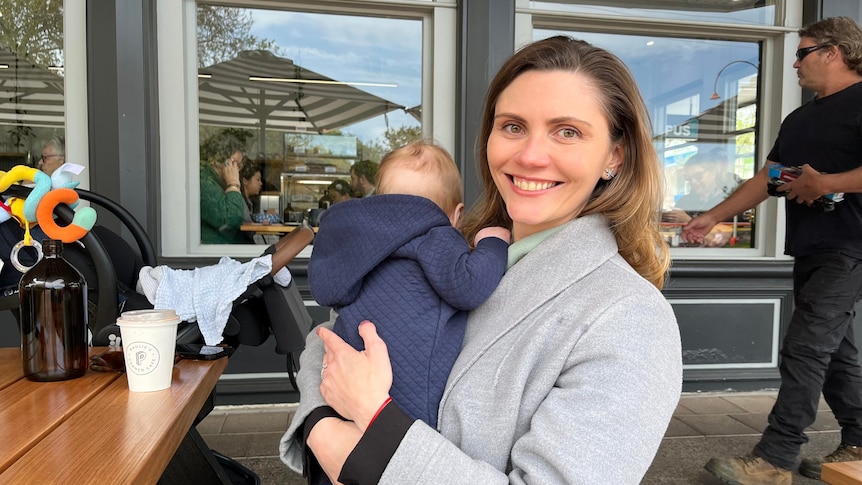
(631, 201)
(444, 181)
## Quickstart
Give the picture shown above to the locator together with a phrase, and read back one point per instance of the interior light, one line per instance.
(4, 66)
(319, 81)
(314, 182)
(204, 75)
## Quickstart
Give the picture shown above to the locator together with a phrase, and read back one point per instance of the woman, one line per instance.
(339, 191)
(570, 372)
(251, 183)
(222, 202)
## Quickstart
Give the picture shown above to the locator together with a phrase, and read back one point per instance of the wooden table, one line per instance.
(843, 473)
(258, 228)
(93, 429)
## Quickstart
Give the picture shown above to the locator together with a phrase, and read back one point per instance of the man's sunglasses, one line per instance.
(802, 53)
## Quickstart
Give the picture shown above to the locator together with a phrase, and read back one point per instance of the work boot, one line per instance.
(748, 470)
(810, 467)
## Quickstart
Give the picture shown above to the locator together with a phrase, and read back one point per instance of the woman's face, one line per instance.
(252, 185)
(549, 146)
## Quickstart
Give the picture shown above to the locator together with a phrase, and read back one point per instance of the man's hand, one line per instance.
(807, 188)
(698, 229)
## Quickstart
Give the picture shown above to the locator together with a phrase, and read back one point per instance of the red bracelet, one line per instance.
(387, 401)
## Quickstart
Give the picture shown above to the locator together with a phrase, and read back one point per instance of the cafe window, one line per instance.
(307, 95)
(702, 96)
(32, 81)
(292, 81)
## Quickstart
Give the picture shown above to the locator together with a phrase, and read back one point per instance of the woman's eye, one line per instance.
(512, 128)
(568, 133)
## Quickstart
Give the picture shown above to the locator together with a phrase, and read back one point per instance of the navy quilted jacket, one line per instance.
(397, 261)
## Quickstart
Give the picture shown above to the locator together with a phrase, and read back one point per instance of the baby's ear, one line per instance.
(455, 216)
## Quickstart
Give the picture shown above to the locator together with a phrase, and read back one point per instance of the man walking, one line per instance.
(824, 137)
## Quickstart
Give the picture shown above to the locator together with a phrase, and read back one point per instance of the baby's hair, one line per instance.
(444, 181)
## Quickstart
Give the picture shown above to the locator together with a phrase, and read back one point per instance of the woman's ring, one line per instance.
(322, 369)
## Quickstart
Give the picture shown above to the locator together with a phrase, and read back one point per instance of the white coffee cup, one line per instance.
(149, 342)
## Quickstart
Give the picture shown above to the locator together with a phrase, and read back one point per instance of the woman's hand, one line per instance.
(719, 236)
(355, 383)
(332, 440)
(230, 172)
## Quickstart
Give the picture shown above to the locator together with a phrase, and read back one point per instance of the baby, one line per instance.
(397, 259)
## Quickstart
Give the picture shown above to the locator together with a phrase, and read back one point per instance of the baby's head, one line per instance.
(424, 169)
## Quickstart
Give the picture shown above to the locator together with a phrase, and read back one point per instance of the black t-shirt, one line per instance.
(825, 133)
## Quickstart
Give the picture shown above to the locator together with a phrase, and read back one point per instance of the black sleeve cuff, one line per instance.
(311, 468)
(369, 458)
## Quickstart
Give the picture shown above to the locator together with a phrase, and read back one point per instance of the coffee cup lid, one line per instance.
(147, 316)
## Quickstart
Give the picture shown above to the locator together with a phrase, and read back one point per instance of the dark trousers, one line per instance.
(818, 354)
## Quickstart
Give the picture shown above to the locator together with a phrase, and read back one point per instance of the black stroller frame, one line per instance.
(264, 308)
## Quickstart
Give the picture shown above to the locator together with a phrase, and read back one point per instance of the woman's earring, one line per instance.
(609, 173)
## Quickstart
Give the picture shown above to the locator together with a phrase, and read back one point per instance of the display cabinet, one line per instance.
(312, 163)
(301, 191)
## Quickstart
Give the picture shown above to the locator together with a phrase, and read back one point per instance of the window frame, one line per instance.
(178, 102)
(75, 99)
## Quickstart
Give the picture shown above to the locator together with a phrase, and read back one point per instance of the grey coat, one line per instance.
(569, 374)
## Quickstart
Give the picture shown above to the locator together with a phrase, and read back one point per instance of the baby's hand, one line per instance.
(494, 231)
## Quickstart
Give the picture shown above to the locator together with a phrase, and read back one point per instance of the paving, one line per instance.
(704, 425)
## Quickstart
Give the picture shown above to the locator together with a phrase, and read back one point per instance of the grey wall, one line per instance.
(123, 115)
(487, 30)
(845, 8)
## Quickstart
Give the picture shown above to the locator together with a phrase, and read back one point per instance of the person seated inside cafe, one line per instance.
(222, 204)
(363, 178)
(339, 191)
(709, 183)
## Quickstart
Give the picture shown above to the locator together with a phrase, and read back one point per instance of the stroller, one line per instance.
(111, 267)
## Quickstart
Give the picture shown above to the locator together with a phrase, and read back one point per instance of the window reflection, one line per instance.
(702, 98)
(31, 80)
(313, 94)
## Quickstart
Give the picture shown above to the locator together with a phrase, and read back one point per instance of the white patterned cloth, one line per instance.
(206, 294)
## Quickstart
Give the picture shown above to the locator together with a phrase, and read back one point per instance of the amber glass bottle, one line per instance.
(53, 299)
